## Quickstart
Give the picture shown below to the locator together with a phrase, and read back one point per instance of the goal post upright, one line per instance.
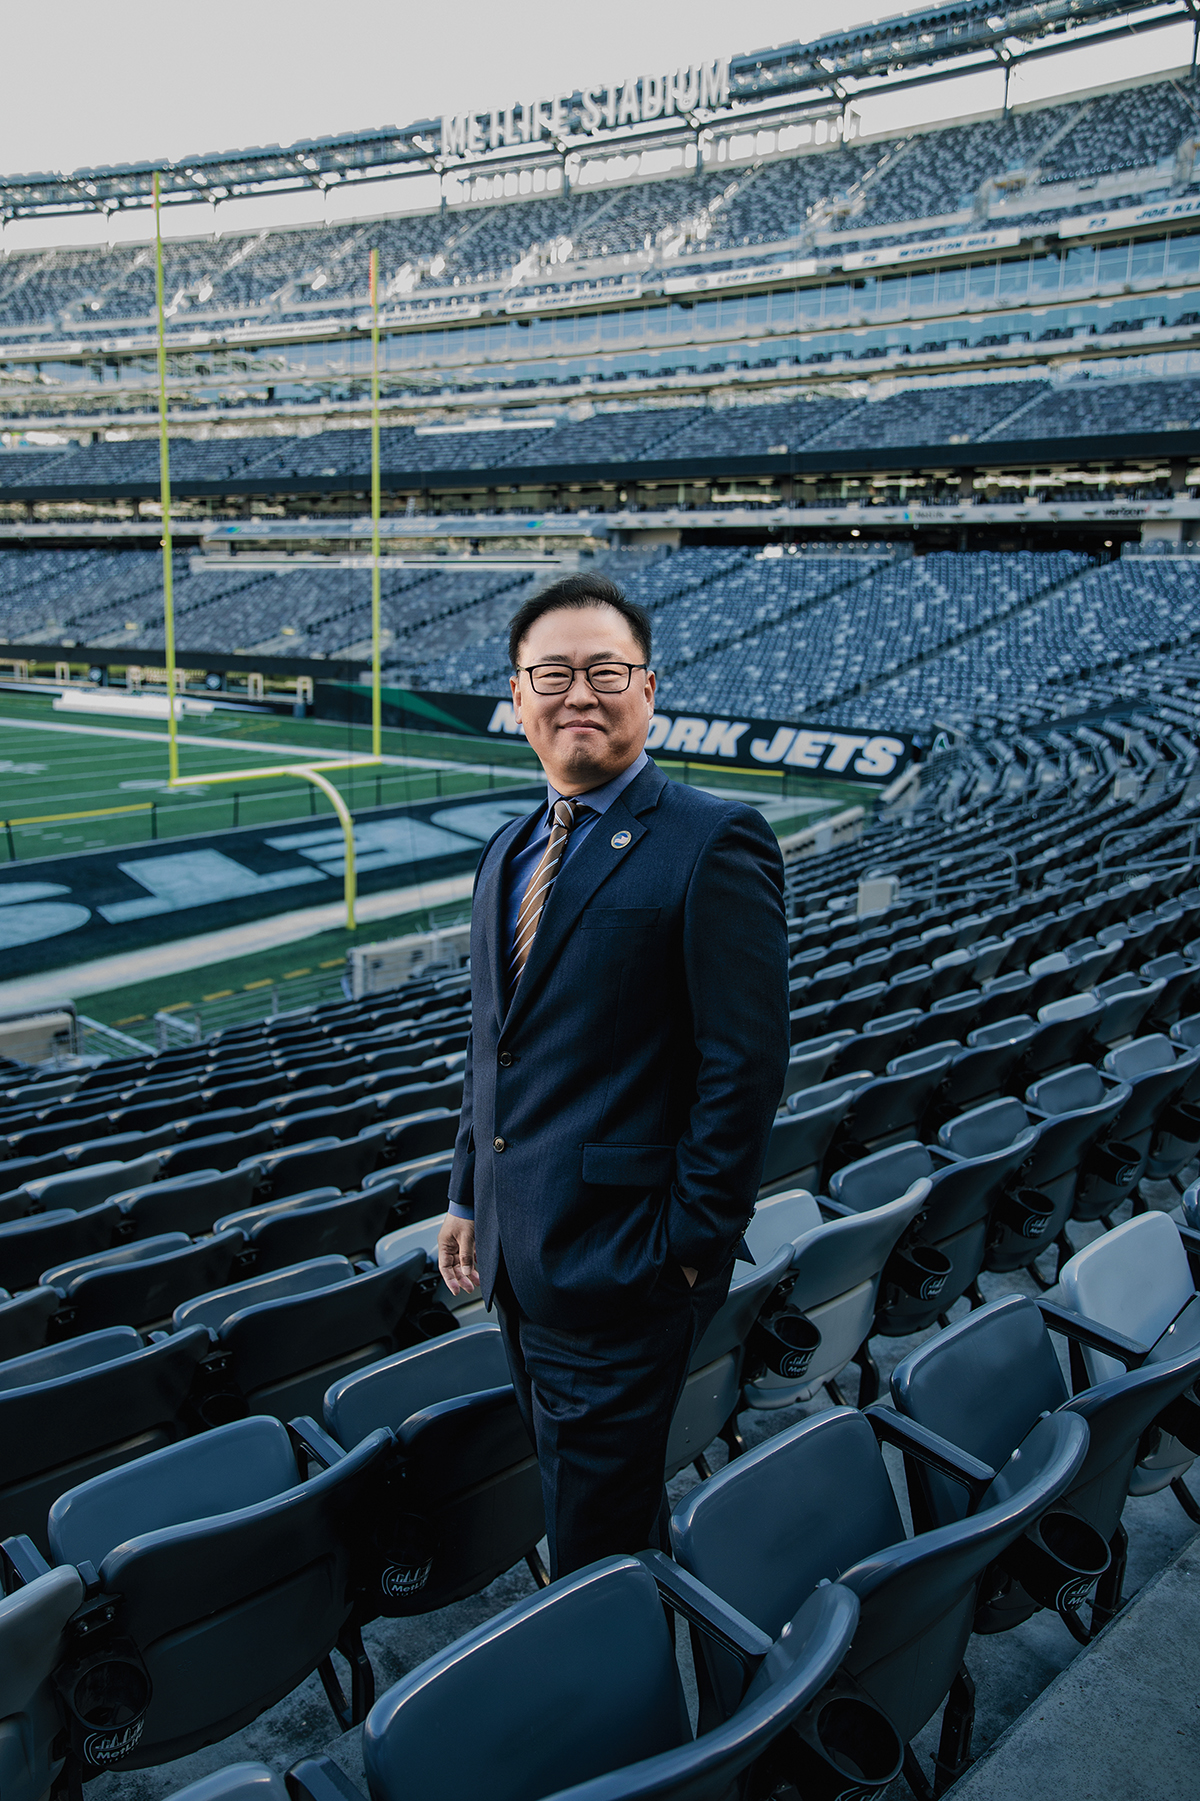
(376, 609)
(312, 770)
(164, 479)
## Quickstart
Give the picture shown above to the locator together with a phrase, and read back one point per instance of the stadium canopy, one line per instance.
(909, 49)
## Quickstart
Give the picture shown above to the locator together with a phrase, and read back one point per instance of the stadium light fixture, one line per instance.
(310, 771)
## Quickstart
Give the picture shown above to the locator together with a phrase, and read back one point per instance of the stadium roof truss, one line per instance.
(930, 45)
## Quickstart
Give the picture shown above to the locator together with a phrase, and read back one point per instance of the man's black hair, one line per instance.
(579, 591)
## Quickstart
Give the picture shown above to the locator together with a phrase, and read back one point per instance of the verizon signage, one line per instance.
(696, 87)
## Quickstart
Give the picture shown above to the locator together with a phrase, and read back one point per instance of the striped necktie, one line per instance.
(540, 884)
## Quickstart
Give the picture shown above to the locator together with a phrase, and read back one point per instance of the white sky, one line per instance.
(132, 79)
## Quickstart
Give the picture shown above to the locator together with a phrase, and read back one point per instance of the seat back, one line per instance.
(348, 1226)
(24, 1320)
(1135, 1279)
(64, 1429)
(575, 1682)
(882, 1177)
(388, 1392)
(285, 1353)
(780, 1219)
(801, 1135)
(29, 1246)
(222, 1304)
(32, 1642)
(190, 1204)
(94, 1182)
(748, 1292)
(982, 1130)
(133, 1287)
(65, 1359)
(233, 1574)
(982, 1383)
(839, 1255)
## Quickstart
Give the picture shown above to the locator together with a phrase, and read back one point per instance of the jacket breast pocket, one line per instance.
(618, 919)
(629, 1165)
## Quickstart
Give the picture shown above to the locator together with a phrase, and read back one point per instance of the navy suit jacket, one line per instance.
(616, 1114)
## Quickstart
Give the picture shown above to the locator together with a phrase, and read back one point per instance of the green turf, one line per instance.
(123, 763)
(303, 964)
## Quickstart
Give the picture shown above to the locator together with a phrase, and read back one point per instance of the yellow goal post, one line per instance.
(308, 771)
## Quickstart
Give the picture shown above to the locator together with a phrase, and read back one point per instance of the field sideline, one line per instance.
(52, 764)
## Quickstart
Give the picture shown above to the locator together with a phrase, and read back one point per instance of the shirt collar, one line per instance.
(600, 799)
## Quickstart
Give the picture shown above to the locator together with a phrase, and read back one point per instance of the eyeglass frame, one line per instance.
(565, 668)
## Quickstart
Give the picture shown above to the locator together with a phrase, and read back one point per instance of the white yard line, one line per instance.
(215, 947)
(312, 753)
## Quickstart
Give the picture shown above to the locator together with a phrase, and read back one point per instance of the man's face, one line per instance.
(583, 739)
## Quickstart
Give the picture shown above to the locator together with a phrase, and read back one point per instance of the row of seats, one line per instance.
(177, 1608)
(931, 174)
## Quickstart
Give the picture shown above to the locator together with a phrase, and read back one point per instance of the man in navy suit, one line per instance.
(628, 1048)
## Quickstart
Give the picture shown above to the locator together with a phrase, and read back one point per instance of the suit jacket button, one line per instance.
(497, 1144)
(504, 1059)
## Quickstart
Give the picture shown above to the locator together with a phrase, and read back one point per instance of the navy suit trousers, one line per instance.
(598, 1407)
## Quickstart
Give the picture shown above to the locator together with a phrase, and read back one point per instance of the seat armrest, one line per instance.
(923, 1446)
(312, 1444)
(320, 1779)
(727, 1628)
(1191, 1244)
(20, 1563)
(833, 1209)
(1083, 1331)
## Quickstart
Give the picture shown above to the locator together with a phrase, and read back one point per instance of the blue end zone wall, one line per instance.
(57, 911)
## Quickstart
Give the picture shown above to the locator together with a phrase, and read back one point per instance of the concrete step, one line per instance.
(1122, 1722)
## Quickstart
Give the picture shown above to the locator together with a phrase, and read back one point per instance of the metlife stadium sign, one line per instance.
(692, 88)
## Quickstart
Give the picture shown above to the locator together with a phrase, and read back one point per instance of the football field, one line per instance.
(69, 783)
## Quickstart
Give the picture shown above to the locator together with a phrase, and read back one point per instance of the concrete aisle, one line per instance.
(1122, 1723)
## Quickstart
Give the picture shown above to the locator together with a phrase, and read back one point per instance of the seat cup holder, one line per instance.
(1108, 1175)
(106, 1694)
(1058, 1560)
(1178, 1135)
(845, 1750)
(786, 1342)
(1025, 1211)
(920, 1270)
(407, 1551)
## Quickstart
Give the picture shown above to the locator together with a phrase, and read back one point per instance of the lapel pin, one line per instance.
(620, 840)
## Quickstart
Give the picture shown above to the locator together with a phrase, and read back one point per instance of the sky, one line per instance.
(132, 80)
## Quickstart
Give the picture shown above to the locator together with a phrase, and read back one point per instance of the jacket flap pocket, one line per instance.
(629, 1165)
(613, 919)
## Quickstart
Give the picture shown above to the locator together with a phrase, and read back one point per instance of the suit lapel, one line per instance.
(582, 874)
(489, 903)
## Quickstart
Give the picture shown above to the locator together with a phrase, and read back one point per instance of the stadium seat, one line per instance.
(313, 1164)
(191, 1203)
(33, 1642)
(707, 1407)
(28, 1246)
(315, 1225)
(62, 1429)
(890, 1108)
(233, 1573)
(1136, 1280)
(815, 1504)
(1157, 1120)
(285, 1337)
(830, 1290)
(577, 1690)
(24, 1319)
(463, 1501)
(801, 1135)
(984, 1384)
(141, 1283)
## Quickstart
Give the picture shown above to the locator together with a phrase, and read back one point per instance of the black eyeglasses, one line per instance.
(557, 678)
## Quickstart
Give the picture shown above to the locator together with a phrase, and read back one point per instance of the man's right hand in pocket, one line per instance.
(456, 1255)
